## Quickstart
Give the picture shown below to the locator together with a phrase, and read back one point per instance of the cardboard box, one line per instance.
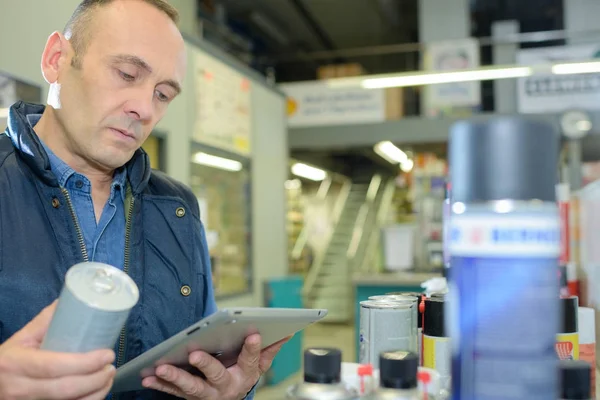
(340, 71)
(394, 103)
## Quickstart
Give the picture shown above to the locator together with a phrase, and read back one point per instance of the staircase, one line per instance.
(329, 283)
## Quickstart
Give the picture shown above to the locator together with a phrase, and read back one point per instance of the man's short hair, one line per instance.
(77, 30)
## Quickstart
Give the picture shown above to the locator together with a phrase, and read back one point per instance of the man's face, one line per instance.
(132, 68)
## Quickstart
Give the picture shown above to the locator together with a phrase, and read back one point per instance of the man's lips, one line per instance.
(124, 133)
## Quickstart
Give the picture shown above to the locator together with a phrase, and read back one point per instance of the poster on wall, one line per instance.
(543, 93)
(223, 114)
(314, 103)
(451, 99)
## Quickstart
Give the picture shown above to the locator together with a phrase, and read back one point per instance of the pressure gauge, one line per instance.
(575, 124)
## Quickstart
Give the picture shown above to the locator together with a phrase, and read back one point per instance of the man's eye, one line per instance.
(161, 96)
(126, 76)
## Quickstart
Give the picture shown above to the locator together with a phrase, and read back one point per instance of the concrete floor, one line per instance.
(318, 335)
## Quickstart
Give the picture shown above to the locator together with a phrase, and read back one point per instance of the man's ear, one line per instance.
(55, 56)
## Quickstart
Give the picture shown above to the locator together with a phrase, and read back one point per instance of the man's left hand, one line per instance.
(221, 383)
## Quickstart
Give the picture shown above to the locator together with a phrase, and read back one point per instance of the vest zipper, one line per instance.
(122, 336)
(80, 238)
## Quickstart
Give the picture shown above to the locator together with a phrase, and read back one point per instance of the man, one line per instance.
(76, 186)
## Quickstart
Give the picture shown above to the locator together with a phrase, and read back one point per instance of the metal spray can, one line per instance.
(437, 353)
(567, 338)
(418, 297)
(574, 376)
(387, 326)
(92, 308)
(503, 310)
(322, 377)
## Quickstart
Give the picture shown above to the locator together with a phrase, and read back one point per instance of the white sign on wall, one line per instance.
(451, 56)
(543, 93)
(314, 103)
(223, 112)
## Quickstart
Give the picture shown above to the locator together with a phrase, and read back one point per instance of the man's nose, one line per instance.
(140, 107)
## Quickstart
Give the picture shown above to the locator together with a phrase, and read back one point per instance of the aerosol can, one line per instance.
(322, 377)
(397, 376)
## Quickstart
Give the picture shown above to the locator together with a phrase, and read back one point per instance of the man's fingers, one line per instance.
(42, 364)
(216, 374)
(33, 333)
(250, 355)
(268, 354)
(101, 394)
(155, 383)
(186, 383)
(72, 387)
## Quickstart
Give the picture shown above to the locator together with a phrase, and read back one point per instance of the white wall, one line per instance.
(26, 24)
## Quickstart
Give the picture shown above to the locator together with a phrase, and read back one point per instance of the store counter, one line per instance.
(382, 283)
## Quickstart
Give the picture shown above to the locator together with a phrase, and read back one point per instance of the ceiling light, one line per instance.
(217, 162)
(308, 172)
(407, 165)
(576, 68)
(4, 112)
(390, 153)
(432, 78)
(293, 184)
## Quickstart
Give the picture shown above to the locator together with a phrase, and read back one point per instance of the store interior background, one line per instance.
(348, 222)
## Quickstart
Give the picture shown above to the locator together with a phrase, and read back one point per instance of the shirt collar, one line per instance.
(63, 171)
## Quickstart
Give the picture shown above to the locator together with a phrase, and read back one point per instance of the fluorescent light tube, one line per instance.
(433, 78)
(390, 153)
(308, 172)
(407, 165)
(217, 162)
(576, 68)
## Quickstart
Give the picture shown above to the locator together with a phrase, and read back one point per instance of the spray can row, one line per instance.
(398, 373)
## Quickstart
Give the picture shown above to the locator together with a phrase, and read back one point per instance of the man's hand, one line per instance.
(26, 372)
(232, 383)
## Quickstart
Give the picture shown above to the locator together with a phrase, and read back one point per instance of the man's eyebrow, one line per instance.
(138, 62)
(129, 59)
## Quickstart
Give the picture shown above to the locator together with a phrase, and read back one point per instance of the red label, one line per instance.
(564, 233)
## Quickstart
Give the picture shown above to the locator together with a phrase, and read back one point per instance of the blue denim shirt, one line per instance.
(104, 240)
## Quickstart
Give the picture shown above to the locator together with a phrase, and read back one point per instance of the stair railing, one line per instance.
(317, 266)
(363, 212)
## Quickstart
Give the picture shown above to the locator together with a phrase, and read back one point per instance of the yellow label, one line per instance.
(567, 346)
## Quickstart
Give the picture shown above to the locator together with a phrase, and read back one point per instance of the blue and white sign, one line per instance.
(314, 103)
(503, 235)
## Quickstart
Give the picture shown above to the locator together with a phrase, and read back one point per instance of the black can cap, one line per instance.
(398, 369)
(322, 365)
(569, 308)
(434, 318)
(575, 380)
(503, 158)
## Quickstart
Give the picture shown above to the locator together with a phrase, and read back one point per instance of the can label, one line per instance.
(437, 354)
(503, 278)
(567, 346)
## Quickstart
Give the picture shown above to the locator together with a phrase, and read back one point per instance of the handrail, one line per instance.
(357, 231)
(315, 270)
(302, 239)
(384, 207)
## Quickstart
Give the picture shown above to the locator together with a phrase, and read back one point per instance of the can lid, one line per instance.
(417, 296)
(322, 365)
(102, 286)
(575, 379)
(569, 314)
(501, 159)
(398, 369)
(434, 318)
(387, 304)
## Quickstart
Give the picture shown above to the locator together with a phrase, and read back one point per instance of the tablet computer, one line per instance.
(221, 334)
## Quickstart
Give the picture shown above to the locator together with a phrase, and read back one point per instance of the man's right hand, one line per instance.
(28, 373)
